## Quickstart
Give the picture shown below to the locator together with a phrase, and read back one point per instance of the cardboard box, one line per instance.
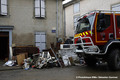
(20, 59)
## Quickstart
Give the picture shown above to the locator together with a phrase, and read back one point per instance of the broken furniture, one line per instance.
(25, 49)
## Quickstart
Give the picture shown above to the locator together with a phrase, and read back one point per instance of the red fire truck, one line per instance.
(97, 36)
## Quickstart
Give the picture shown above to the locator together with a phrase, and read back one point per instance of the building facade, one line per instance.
(29, 22)
(76, 8)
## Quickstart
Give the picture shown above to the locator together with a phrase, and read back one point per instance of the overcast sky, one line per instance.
(66, 1)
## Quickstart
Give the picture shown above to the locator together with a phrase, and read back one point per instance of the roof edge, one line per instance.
(70, 3)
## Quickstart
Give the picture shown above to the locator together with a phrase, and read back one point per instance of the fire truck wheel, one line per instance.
(114, 59)
(90, 60)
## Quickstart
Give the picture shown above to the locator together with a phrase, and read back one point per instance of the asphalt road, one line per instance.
(67, 73)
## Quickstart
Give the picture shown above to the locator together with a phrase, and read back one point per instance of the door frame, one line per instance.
(8, 29)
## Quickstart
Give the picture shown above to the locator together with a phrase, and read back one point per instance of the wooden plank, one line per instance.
(71, 60)
(57, 58)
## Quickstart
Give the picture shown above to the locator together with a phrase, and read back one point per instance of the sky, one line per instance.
(66, 1)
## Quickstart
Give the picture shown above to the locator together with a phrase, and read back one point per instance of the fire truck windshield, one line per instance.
(84, 24)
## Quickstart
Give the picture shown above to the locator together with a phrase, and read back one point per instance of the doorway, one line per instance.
(4, 45)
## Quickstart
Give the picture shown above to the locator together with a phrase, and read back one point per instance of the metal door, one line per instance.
(105, 32)
(40, 40)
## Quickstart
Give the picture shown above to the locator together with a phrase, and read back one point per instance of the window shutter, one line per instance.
(40, 8)
(43, 8)
(37, 8)
(116, 7)
(76, 7)
(3, 6)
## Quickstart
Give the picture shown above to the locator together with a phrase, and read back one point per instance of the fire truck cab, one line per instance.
(97, 36)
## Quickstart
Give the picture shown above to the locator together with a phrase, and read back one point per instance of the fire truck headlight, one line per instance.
(92, 49)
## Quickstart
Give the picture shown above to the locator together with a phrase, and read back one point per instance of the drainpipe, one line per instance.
(64, 23)
(57, 20)
(10, 45)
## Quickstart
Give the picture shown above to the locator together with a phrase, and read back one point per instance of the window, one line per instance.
(76, 7)
(3, 7)
(84, 24)
(103, 22)
(40, 8)
(107, 19)
(118, 21)
(116, 7)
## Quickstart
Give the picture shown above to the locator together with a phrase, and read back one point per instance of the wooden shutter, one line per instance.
(116, 7)
(3, 7)
(40, 8)
(43, 8)
(37, 8)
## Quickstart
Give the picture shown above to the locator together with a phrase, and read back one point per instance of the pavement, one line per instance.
(77, 72)
(5, 68)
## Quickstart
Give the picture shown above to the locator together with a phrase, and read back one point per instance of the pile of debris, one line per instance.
(45, 59)
(31, 57)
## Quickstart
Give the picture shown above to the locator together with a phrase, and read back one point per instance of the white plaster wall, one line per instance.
(90, 5)
(69, 21)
